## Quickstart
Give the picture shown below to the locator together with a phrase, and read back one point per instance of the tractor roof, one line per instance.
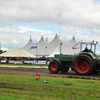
(89, 43)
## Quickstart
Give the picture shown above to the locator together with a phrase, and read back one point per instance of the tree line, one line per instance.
(1, 51)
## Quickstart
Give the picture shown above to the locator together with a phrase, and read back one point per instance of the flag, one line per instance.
(34, 45)
(77, 45)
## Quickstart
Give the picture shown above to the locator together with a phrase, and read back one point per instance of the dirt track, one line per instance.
(45, 72)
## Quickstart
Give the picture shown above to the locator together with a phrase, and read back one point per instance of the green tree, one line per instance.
(1, 51)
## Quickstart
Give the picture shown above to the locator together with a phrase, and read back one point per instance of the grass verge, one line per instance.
(23, 65)
(23, 87)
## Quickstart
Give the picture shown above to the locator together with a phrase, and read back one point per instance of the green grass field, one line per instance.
(23, 65)
(24, 87)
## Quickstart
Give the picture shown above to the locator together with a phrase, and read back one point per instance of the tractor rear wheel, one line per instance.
(54, 67)
(83, 65)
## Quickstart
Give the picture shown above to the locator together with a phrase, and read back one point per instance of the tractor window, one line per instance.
(89, 46)
(84, 47)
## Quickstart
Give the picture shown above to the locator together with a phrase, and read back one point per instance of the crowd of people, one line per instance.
(7, 59)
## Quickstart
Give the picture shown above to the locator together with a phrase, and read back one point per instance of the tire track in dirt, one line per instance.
(45, 72)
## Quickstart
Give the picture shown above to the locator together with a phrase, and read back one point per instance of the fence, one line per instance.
(31, 62)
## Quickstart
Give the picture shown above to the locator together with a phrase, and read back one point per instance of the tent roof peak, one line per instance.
(73, 37)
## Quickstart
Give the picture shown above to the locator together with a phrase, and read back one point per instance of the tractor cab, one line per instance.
(89, 47)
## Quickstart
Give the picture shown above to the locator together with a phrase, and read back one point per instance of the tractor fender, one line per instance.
(59, 62)
(93, 56)
(86, 54)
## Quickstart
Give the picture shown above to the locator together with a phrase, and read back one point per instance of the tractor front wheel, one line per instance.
(83, 65)
(54, 67)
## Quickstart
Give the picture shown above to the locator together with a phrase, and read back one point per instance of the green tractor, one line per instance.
(84, 63)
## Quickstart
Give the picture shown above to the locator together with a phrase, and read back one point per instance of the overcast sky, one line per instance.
(21, 18)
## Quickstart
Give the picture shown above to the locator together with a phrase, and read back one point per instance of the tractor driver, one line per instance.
(86, 49)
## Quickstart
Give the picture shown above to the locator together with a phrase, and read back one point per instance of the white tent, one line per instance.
(45, 48)
(28, 45)
(40, 45)
(50, 48)
(55, 52)
(17, 53)
(67, 46)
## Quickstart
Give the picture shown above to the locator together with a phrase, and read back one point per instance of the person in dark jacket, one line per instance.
(86, 49)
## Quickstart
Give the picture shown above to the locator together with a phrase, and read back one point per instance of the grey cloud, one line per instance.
(52, 12)
(71, 15)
